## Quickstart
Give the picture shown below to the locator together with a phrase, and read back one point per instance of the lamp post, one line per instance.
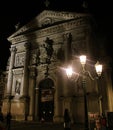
(83, 73)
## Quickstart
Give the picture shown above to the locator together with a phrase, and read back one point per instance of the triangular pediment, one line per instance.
(47, 17)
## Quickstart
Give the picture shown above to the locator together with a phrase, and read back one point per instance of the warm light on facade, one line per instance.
(83, 74)
(69, 71)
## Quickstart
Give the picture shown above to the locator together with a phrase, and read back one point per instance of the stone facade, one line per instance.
(37, 86)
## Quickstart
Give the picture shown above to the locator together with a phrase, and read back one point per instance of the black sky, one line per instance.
(12, 12)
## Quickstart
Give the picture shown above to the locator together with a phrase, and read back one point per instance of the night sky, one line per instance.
(22, 11)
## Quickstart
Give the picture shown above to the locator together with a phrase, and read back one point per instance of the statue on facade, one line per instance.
(17, 88)
(49, 48)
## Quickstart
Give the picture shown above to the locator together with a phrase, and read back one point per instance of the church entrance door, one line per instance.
(46, 100)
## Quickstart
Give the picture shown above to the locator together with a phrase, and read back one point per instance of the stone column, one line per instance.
(109, 89)
(10, 74)
(67, 39)
(32, 87)
(68, 57)
(25, 73)
(36, 104)
(58, 100)
(56, 106)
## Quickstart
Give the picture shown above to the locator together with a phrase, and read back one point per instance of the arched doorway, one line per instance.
(46, 100)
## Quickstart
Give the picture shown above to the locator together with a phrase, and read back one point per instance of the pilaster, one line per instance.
(10, 75)
(25, 74)
(36, 104)
(32, 87)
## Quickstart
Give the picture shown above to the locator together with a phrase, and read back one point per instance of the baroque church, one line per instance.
(37, 87)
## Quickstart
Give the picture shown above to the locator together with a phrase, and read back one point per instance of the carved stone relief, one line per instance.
(17, 81)
(46, 21)
(17, 86)
(34, 57)
(43, 55)
(19, 60)
(49, 47)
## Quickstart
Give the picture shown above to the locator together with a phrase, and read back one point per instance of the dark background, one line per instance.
(22, 11)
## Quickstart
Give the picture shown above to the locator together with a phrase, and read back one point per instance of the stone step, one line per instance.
(26, 125)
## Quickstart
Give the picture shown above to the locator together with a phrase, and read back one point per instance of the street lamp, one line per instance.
(83, 73)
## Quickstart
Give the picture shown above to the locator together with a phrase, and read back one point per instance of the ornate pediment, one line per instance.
(50, 17)
(46, 18)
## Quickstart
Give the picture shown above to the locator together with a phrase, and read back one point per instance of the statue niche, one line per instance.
(17, 87)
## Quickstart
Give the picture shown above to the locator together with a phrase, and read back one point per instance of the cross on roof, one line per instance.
(46, 3)
(85, 4)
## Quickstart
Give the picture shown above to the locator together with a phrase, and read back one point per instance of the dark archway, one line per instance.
(46, 100)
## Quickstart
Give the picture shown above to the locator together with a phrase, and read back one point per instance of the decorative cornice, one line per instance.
(59, 15)
(51, 30)
(18, 71)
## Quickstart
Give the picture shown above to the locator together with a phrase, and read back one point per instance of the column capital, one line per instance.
(67, 36)
(13, 49)
(27, 46)
(37, 90)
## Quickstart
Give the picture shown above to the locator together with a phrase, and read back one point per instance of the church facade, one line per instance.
(37, 87)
